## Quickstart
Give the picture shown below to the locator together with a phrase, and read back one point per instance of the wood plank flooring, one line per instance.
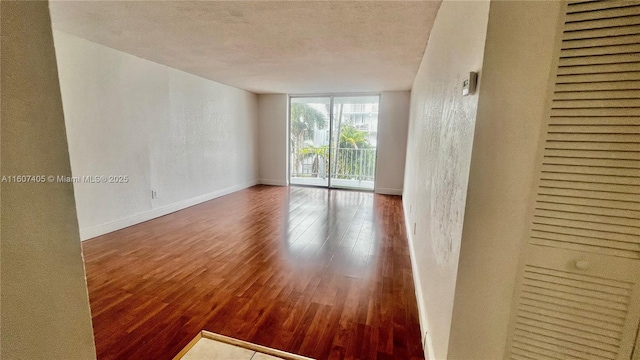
(316, 272)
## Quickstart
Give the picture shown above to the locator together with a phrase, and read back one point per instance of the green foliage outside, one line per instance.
(351, 160)
(304, 120)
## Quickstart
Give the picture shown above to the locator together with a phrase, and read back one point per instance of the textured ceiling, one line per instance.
(265, 46)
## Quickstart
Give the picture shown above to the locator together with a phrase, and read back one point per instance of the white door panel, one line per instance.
(577, 293)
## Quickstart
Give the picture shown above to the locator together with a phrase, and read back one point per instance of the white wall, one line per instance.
(45, 306)
(188, 138)
(393, 125)
(438, 156)
(272, 139)
(515, 79)
(392, 139)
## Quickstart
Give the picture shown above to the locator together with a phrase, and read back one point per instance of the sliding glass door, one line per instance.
(310, 134)
(333, 141)
(353, 144)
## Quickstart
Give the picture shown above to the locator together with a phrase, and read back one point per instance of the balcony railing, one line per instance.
(347, 163)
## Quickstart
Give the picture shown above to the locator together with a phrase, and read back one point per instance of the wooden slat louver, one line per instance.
(578, 288)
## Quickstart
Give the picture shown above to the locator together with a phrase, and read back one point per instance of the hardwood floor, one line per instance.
(321, 273)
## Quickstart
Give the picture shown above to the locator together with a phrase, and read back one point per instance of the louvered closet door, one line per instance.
(578, 290)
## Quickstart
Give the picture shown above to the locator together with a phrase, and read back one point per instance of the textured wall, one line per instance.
(393, 125)
(515, 80)
(45, 307)
(272, 139)
(188, 138)
(438, 155)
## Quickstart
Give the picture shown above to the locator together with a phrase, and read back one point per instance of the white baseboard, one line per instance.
(91, 232)
(388, 191)
(272, 182)
(427, 345)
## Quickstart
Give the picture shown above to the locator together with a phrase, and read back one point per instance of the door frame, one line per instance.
(331, 97)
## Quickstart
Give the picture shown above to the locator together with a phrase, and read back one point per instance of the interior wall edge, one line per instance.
(427, 347)
(180, 139)
(438, 159)
(505, 145)
(272, 139)
(391, 153)
(45, 312)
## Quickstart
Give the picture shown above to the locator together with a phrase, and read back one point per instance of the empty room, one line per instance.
(255, 180)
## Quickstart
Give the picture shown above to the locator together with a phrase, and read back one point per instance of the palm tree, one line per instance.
(304, 120)
(351, 137)
(315, 153)
(353, 162)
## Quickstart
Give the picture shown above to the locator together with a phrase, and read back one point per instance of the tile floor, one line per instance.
(207, 349)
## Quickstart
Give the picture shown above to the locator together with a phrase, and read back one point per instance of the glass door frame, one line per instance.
(331, 96)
